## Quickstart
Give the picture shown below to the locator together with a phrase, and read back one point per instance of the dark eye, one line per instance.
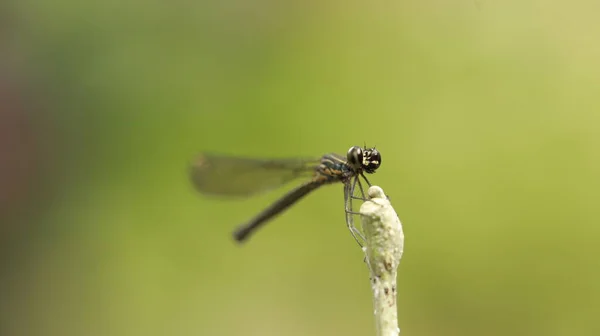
(355, 157)
(372, 160)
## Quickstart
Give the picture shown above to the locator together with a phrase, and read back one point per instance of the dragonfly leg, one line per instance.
(348, 196)
(369, 183)
(366, 179)
(362, 192)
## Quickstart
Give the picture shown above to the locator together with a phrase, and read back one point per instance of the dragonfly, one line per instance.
(222, 175)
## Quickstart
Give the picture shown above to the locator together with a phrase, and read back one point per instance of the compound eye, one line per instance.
(355, 157)
(372, 160)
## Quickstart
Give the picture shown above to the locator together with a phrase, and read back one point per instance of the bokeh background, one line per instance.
(486, 114)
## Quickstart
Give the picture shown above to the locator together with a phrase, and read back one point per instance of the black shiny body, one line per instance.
(223, 175)
(331, 169)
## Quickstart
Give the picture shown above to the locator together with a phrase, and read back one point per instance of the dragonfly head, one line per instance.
(364, 159)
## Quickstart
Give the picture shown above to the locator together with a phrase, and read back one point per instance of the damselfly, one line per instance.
(234, 176)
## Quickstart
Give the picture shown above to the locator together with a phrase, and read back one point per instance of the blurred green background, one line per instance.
(486, 114)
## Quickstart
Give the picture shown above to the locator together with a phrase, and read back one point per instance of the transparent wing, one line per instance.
(233, 176)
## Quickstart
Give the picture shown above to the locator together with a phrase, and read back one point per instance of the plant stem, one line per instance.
(384, 243)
